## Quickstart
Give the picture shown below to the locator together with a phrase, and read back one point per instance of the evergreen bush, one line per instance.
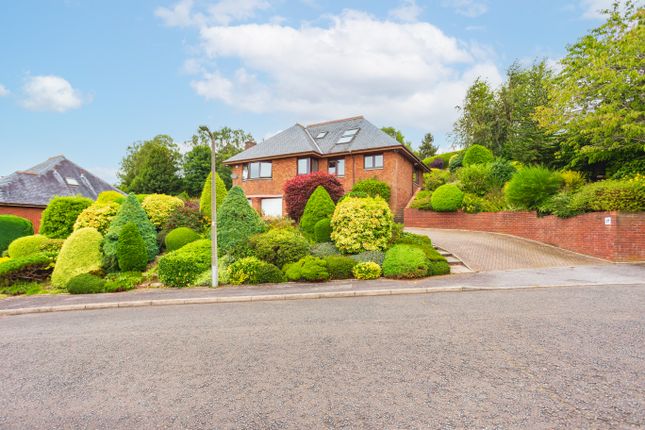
(340, 266)
(81, 253)
(98, 216)
(362, 225)
(322, 230)
(324, 249)
(436, 268)
(435, 178)
(531, 187)
(473, 204)
(131, 250)
(405, 262)
(237, 221)
(123, 281)
(309, 268)
(456, 161)
(205, 199)
(187, 216)
(180, 268)
(280, 246)
(476, 179)
(422, 200)
(611, 195)
(110, 196)
(251, 270)
(11, 228)
(447, 198)
(179, 237)
(58, 218)
(28, 245)
(159, 208)
(34, 267)
(367, 256)
(366, 270)
(373, 188)
(85, 284)
(501, 171)
(477, 154)
(318, 207)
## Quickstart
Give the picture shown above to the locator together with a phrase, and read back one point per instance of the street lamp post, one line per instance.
(214, 278)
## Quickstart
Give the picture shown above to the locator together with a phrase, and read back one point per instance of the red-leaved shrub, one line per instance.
(297, 191)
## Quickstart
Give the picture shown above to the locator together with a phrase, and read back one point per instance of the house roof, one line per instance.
(56, 176)
(301, 139)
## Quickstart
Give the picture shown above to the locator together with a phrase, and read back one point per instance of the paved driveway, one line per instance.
(483, 251)
(553, 358)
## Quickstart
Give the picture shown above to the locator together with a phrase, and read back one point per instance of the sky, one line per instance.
(88, 78)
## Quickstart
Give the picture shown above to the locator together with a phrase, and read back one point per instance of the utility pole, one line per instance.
(214, 278)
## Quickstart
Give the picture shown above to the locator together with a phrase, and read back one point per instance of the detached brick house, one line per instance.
(351, 149)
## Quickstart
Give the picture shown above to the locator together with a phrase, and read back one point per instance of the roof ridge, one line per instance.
(310, 137)
(335, 121)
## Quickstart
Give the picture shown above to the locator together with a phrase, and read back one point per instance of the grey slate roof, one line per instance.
(299, 139)
(56, 176)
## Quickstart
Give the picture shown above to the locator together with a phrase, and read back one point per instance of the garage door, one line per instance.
(272, 206)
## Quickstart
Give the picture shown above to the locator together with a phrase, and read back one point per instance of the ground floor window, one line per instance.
(336, 167)
(373, 161)
(271, 206)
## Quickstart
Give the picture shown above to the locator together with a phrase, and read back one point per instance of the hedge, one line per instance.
(373, 188)
(85, 284)
(339, 266)
(405, 262)
(11, 228)
(179, 237)
(81, 253)
(298, 189)
(131, 249)
(205, 199)
(318, 207)
(280, 246)
(180, 268)
(251, 270)
(611, 195)
(237, 221)
(58, 218)
(159, 207)
(362, 225)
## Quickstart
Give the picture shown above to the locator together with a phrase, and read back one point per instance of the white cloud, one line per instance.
(226, 11)
(591, 9)
(51, 93)
(108, 174)
(409, 74)
(223, 12)
(3, 91)
(178, 16)
(469, 8)
(408, 11)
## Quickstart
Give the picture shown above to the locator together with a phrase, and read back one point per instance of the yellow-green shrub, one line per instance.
(362, 224)
(159, 207)
(110, 196)
(367, 270)
(98, 216)
(81, 253)
(28, 245)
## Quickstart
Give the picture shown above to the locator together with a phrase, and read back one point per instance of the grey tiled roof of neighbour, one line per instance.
(56, 176)
(302, 139)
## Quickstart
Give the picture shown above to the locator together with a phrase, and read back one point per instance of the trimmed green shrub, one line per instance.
(373, 188)
(362, 225)
(422, 200)
(531, 186)
(85, 284)
(366, 270)
(456, 161)
(322, 230)
(422, 242)
(11, 228)
(318, 207)
(124, 281)
(27, 245)
(447, 198)
(611, 195)
(477, 154)
(435, 178)
(324, 249)
(180, 268)
(501, 171)
(237, 221)
(250, 270)
(110, 196)
(366, 256)
(58, 218)
(339, 266)
(280, 246)
(473, 204)
(476, 179)
(179, 237)
(205, 199)
(405, 262)
(131, 249)
(130, 211)
(98, 216)
(81, 253)
(205, 278)
(159, 207)
(307, 269)
(436, 268)
(34, 267)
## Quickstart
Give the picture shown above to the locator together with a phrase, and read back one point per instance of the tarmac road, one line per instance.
(542, 358)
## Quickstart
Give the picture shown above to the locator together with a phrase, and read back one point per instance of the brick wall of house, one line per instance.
(621, 240)
(31, 213)
(397, 172)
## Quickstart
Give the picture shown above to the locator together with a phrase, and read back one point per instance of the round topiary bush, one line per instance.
(251, 270)
(98, 216)
(367, 270)
(362, 225)
(373, 188)
(447, 198)
(81, 253)
(531, 187)
(298, 189)
(477, 154)
(181, 268)
(322, 230)
(340, 266)
(205, 199)
(110, 196)
(318, 207)
(131, 249)
(27, 245)
(405, 262)
(159, 207)
(179, 237)
(58, 218)
(237, 221)
(309, 268)
(11, 228)
(280, 246)
(85, 284)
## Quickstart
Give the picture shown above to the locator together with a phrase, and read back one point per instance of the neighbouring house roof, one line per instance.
(56, 176)
(301, 139)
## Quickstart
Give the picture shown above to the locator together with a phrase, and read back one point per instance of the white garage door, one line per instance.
(272, 206)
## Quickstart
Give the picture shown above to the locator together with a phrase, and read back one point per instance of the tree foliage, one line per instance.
(427, 147)
(228, 142)
(196, 165)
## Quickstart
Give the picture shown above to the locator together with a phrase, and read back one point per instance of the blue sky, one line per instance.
(88, 78)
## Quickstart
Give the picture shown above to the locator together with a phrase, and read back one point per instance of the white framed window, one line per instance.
(257, 170)
(336, 167)
(373, 161)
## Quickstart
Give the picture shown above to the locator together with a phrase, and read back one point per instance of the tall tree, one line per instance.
(196, 166)
(427, 147)
(597, 102)
(398, 136)
(151, 166)
(478, 122)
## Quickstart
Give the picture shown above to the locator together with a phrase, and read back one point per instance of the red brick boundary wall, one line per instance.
(614, 236)
(31, 213)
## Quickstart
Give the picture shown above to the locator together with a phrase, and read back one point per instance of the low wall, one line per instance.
(31, 213)
(614, 236)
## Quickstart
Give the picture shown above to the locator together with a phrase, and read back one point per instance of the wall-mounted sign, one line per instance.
(607, 220)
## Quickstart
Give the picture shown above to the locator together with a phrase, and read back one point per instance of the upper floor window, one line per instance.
(336, 167)
(373, 161)
(307, 165)
(257, 170)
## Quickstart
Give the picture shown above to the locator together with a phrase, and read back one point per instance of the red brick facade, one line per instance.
(33, 214)
(397, 171)
(614, 236)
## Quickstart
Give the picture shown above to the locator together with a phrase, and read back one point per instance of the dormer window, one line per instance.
(348, 135)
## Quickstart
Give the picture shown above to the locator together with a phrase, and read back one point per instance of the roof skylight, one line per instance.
(321, 135)
(71, 181)
(348, 135)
